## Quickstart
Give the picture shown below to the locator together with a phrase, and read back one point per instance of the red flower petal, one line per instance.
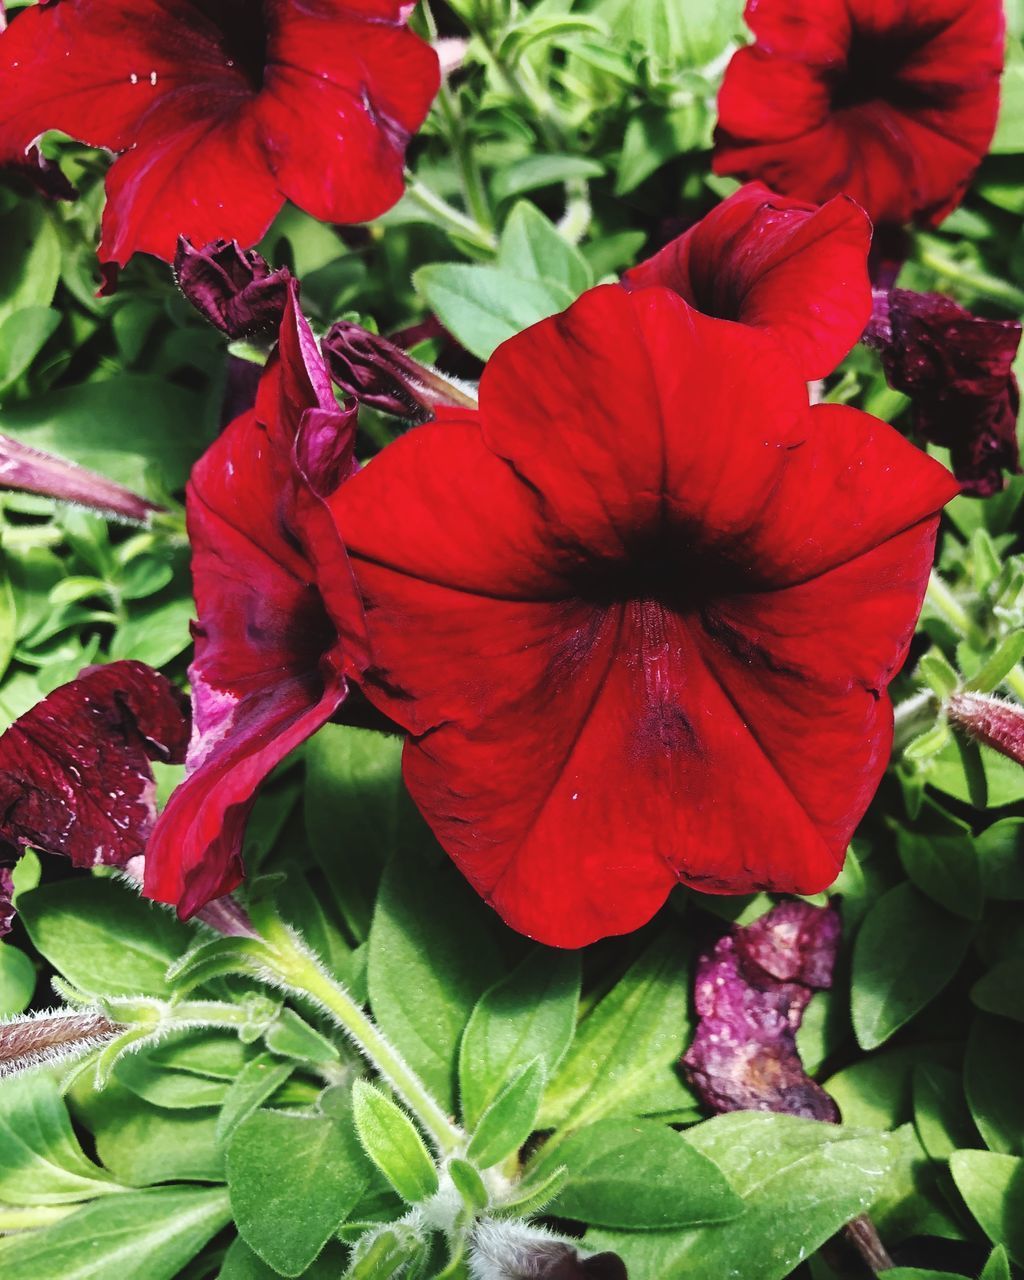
(798, 272)
(222, 109)
(6, 894)
(271, 643)
(892, 103)
(559, 588)
(74, 771)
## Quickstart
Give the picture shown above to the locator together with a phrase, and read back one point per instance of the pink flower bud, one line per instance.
(994, 721)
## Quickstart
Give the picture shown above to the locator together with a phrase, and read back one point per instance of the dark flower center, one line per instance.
(659, 569)
(874, 69)
(242, 25)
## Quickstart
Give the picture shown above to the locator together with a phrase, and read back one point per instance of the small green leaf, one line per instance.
(993, 1188)
(509, 1120)
(1001, 990)
(641, 1175)
(533, 248)
(654, 136)
(393, 1143)
(1007, 654)
(30, 265)
(941, 1115)
(293, 1179)
(995, 1050)
(385, 1253)
(941, 862)
(939, 673)
(17, 980)
(1000, 850)
(542, 171)
(257, 1080)
(907, 950)
(998, 1265)
(174, 1090)
(22, 337)
(469, 1184)
(484, 306)
(290, 1036)
(530, 1012)
(147, 1235)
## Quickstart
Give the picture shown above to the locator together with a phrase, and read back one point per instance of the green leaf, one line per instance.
(641, 1175)
(508, 1121)
(627, 1048)
(542, 171)
(256, 1082)
(654, 136)
(532, 247)
(800, 1181)
(240, 1263)
(1009, 135)
(530, 1012)
(677, 35)
(102, 936)
(941, 1115)
(995, 1051)
(993, 1188)
(355, 802)
(1000, 850)
(393, 1143)
(292, 1037)
(41, 1161)
(385, 1253)
(22, 337)
(293, 1179)
(121, 427)
(991, 674)
(17, 980)
(429, 936)
(907, 950)
(484, 306)
(998, 1265)
(174, 1090)
(469, 1184)
(147, 1235)
(154, 634)
(30, 264)
(941, 862)
(1001, 990)
(141, 1144)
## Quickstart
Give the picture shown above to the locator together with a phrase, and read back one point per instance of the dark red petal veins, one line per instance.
(7, 912)
(74, 771)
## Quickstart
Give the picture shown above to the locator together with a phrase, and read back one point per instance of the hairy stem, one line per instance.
(949, 608)
(862, 1234)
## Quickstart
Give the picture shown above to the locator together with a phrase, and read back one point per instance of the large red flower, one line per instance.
(278, 615)
(223, 108)
(639, 613)
(892, 101)
(795, 270)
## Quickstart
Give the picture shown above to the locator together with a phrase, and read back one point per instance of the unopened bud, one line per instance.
(380, 374)
(515, 1251)
(32, 471)
(993, 721)
(52, 1036)
(234, 288)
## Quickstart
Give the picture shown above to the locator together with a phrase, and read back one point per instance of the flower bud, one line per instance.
(380, 374)
(51, 1036)
(32, 471)
(997, 723)
(515, 1251)
(234, 288)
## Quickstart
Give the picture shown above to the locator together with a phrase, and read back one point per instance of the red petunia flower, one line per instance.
(893, 102)
(639, 613)
(75, 776)
(222, 108)
(278, 615)
(795, 270)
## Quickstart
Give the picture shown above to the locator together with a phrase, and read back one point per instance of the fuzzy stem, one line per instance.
(302, 973)
(978, 282)
(27, 1041)
(912, 716)
(948, 607)
(467, 228)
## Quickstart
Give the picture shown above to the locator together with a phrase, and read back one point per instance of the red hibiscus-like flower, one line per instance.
(222, 108)
(892, 101)
(75, 776)
(639, 612)
(278, 615)
(795, 270)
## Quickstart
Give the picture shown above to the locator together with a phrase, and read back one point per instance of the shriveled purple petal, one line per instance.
(75, 776)
(751, 991)
(234, 288)
(42, 174)
(995, 722)
(378, 373)
(957, 369)
(518, 1252)
(6, 895)
(32, 471)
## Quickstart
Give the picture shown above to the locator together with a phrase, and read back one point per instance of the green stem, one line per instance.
(949, 608)
(977, 281)
(302, 972)
(454, 219)
(1015, 680)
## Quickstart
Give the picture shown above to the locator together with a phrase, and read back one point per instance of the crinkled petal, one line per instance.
(798, 272)
(74, 770)
(7, 912)
(235, 289)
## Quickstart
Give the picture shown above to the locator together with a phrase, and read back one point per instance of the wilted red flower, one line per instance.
(234, 288)
(278, 617)
(74, 770)
(642, 603)
(751, 991)
(957, 369)
(6, 896)
(795, 270)
(222, 108)
(893, 102)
